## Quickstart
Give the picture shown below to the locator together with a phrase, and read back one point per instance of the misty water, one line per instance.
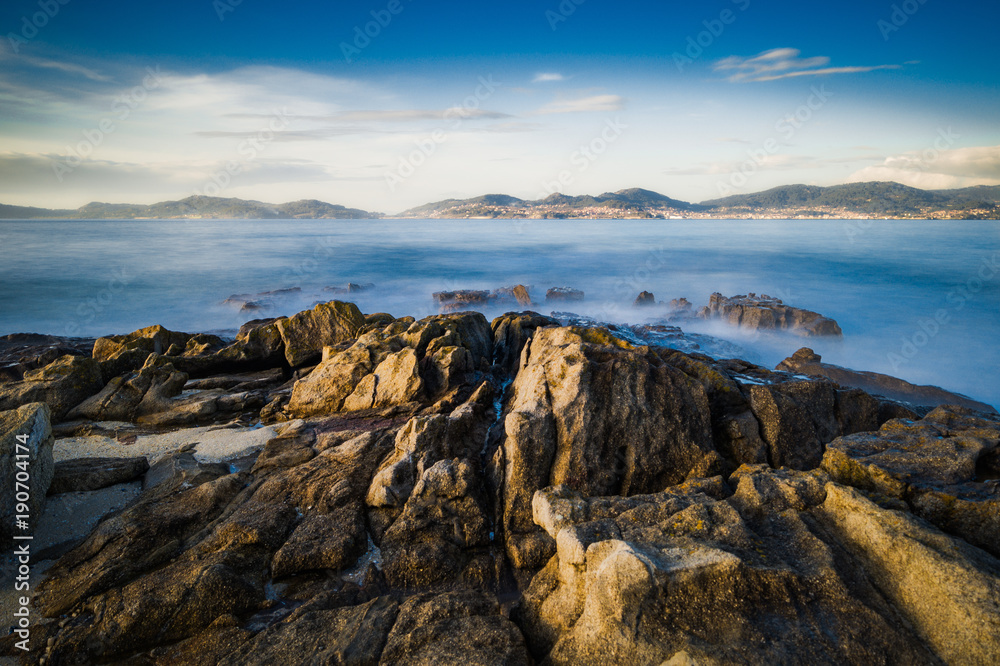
(916, 299)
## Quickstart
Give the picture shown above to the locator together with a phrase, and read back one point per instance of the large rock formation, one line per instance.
(526, 493)
(807, 362)
(62, 384)
(307, 333)
(405, 362)
(762, 313)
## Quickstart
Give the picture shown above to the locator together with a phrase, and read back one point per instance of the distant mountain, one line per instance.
(634, 202)
(876, 198)
(196, 207)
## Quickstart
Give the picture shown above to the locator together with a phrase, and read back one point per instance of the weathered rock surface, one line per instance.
(25, 447)
(766, 313)
(645, 299)
(305, 334)
(83, 474)
(944, 467)
(760, 576)
(62, 385)
(807, 362)
(21, 352)
(405, 362)
(620, 500)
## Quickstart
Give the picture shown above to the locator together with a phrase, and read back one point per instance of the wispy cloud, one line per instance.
(784, 63)
(957, 167)
(584, 104)
(547, 77)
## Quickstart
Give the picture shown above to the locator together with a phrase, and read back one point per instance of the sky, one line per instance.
(388, 104)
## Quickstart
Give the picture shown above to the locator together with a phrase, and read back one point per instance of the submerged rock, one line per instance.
(763, 312)
(559, 294)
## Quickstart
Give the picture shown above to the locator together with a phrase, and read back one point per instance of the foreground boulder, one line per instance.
(26, 472)
(699, 574)
(62, 385)
(762, 313)
(807, 362)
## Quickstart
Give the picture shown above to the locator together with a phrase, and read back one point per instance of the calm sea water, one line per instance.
(919, 300)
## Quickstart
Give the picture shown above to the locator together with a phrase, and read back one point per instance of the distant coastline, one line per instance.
(875, 200)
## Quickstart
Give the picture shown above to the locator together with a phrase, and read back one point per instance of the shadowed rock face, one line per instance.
(529, 493)
(25, 438)
(62, 385)
(766, 313)
(807, 362)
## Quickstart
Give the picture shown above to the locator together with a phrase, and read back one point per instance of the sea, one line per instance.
(916, 299)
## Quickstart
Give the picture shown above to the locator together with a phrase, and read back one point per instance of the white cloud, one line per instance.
(547, 77)
(584, 104)
(934, 169)
(782, 64)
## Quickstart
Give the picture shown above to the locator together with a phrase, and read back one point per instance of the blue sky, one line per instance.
(115, 101)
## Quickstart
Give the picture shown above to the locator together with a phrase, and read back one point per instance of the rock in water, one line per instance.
(807, 362)
(763, 312)
(26, 456)
(560, 294)
(644, 299)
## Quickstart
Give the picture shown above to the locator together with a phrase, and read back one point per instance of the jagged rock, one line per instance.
(121, 354)
(694, 578)
(406, 362)
(26, 459)
(807, 362)
(305, 334)
(510, 332)
(443, 532)
(455, 627)
(644, 299)
(463, 299)
(767, 313)
(680, 305)
(521, 295)
(127, 397)
(564, 294)
(81, 474)
(62, 385)
(942, 466)
(601, 416)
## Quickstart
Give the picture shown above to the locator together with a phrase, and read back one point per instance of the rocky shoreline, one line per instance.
(336, 487)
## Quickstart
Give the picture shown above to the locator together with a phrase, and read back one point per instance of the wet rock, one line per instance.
(680, 305)
(938, 465)
(766, 313)
(644, 299)
(82, 474)
(807, 362)
(455, 627)
(305, 334)
(561, 294)
(62, 385)
(463, 299)
(350, 288)
(521, 295)
(601, 416)
(25, 447)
